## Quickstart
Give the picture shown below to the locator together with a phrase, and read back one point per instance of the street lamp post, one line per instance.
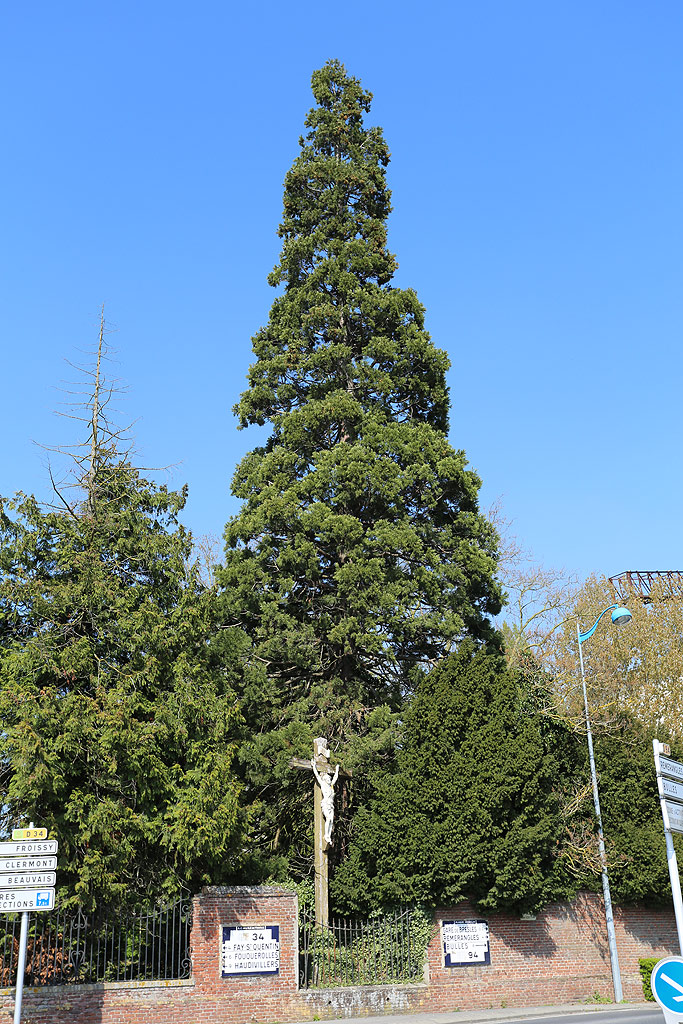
(619, 616)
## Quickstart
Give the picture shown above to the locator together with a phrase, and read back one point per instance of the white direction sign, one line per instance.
(465, 942)
(28, 879)
(672, 790)
(28, 863)
(674, 769)
(670, 793)
(254, 950)
(674, 813)
(27, 899)
(29, 847)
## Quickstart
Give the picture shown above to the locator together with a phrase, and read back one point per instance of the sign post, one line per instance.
(26, 885)
(670, 788)
(21, 967)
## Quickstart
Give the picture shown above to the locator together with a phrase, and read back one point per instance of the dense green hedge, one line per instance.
(646, 967)
(472, 810)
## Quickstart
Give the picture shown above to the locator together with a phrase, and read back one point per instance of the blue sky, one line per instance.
(537, 161)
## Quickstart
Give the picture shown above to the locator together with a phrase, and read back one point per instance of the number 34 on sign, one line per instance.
(28, 833)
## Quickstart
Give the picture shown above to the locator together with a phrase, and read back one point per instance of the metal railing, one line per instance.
(67, 947)
(379, 950)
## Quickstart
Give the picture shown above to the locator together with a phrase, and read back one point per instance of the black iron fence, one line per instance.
(73, 947)
(380, 950)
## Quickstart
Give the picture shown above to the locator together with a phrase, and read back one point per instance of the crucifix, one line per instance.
(323, 812)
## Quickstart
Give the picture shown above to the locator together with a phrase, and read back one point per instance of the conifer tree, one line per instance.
(473, 809)
(117, 713)
(359, 556)
(631, 814)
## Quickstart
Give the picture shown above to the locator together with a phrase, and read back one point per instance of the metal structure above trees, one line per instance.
(637, 583)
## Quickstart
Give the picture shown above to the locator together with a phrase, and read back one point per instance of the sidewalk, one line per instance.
(498, 1014)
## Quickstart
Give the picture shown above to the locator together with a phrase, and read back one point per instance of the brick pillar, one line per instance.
(249, 991)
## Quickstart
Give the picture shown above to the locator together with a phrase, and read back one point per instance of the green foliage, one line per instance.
(634, 672)
(304, 889)
(359, 556)
(386, 948)
(598, 997)
(472, 811)
(118, 718)
(631, 815)
(647, 966)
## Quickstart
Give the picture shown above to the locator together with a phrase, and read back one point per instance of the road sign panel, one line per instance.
(674, 813)
(671, 790)
(27, 899)
(25, 849)
(28, 863)
(674, 769)
(27, 879)
(254, 950)
(670, 796)
(465, 943)
(29, 833)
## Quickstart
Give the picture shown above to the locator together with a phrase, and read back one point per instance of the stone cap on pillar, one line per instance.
(246, 890)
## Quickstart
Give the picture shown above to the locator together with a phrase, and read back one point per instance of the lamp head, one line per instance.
(620, 616)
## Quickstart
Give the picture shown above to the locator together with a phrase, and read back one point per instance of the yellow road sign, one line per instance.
(29, 833)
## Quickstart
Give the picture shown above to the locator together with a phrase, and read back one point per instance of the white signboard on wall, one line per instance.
(250, 950)
(465, 942)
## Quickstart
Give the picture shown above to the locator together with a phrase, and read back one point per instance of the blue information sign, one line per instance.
(666, 982)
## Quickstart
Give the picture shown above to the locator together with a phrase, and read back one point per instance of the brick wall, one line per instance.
(561, 956)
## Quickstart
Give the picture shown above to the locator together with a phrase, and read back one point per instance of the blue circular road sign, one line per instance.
(666, 982)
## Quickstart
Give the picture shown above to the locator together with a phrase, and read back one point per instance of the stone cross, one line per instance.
(323, 812)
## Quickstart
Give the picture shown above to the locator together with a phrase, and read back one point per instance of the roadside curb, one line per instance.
(532, 1012)
(499, 1014)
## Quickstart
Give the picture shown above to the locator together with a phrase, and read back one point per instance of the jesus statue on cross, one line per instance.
(323, 818)
(326, 782)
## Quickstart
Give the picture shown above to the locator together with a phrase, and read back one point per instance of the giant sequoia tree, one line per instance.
(359, 556)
